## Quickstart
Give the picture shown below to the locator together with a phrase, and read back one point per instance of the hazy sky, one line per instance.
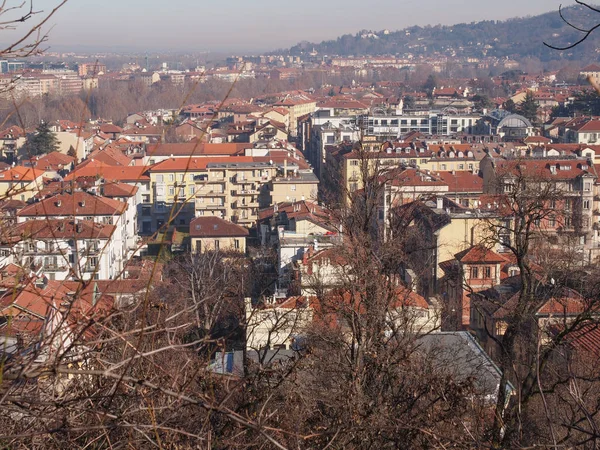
(256, 25)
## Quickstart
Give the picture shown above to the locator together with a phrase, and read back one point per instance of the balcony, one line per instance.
(240, 192)
(205, 193)
(58, 267)
(248, 204)
(210, 206)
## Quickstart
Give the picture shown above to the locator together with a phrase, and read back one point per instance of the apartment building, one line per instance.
(345, 162)
(297, 108)
(438, 123)
(569, 185)
(83, 206)
(20, 183)
(234, 190)
(62, 249)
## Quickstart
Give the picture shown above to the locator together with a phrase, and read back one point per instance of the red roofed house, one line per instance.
(472, 270)
(11, 139)
(276, 323)
(572, 187)
(216, 234)
(79, 205)
(61, 249)
(57, 317)
(587, 133)
(492, 308)
(20, 183)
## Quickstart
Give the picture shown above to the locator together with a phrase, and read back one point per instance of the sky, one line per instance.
(253, 25)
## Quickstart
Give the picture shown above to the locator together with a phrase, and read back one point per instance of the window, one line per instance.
(488, 272)
(470, 166)
(354, 162)
(586, 204)
(587, 186)
(552, 203)
(192, 190)
(443, 166)
(474, 272)
(146, 198)
(216, 244)
(160, 178)
(292, 187)
(552, 221)
(171, 177)
(461, 167)
(171, 190)
(236, 244)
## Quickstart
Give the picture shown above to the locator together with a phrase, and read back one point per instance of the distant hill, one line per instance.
(513, 38)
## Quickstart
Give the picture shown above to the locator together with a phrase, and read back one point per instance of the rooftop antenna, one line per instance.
(146, 62)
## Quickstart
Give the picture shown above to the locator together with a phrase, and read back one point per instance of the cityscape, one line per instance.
(389, 239)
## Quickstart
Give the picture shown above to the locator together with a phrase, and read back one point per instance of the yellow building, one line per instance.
(20, 183)
(215, 234)
(442, 158)
(297, 107)
(296, 186)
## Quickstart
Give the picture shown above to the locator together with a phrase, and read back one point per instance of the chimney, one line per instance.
(58, 203)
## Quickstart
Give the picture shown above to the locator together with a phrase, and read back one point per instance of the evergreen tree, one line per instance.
(528, 108)
(482, 102)
(430, 84)
(509, 106)
(42, 141)
(72, 152)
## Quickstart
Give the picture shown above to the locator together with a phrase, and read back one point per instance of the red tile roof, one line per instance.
(58, 229)
(479, 255)
(20, 173)
(112, 189)
(99, 169)
(74, 204)
(211, 226)
(52, 161)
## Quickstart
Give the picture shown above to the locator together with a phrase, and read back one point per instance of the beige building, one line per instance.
(215, 234)
(296, 186)
(347, 162)
(297, 108)
(20, 183)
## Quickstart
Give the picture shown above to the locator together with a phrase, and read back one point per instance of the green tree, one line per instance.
(430, 84)
(72, 152)
(42, 141)
(510, 106)
(528, 108)
(482, 102)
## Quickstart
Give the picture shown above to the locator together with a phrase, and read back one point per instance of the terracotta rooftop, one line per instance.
(211, 226)
(74, 204)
